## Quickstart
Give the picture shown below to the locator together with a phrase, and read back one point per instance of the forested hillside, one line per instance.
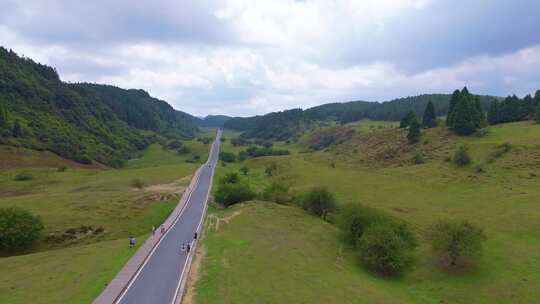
(282, 124)
(212, 121)
(83, 122)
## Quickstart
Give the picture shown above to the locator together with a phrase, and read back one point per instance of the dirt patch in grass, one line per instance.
(194, 274)
(177, 187)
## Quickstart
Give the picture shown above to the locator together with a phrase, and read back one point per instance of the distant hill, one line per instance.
(212, 121)
(285, 124)
(83, 122)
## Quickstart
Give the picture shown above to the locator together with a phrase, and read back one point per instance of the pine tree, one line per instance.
(463, 122)
(17, 130)
(453, 101)
(3, 116)
(493, 113)
(478, 112)
(414, 131)
(430, 119)
(406, 121)
(537, 114)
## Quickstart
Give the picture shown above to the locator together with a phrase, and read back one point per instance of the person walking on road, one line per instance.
(162, 229)
(131, 242)
(188, 248)
(153, 230)
(195, 236)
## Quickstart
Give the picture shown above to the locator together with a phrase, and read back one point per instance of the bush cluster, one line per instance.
(18, 228)
(232, 190)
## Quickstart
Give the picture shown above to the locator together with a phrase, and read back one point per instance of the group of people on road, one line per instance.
(185, 246)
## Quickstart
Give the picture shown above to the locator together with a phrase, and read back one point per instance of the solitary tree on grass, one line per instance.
(456, 239)
(414, 131)
(430, 119)
(319, 201)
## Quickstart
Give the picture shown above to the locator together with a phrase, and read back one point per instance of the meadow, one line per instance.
(270, 253)
(88, 213)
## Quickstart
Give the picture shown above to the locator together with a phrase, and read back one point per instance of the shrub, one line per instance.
(387, 248)
(138, 183)
(228, 157)
(18, 228)
(244, 170)
(23, 176)
(228, 194)
(62, 169)
(230, 178)
(175, 144)
(413, 136)
(319, 201)
(277, 192)
(456, 240)
(183, 150)
(354, 219)
(479, 168)
(418, 159)
(270, 168)
(461, 157)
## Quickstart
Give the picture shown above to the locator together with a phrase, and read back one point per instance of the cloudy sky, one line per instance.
(242, 57)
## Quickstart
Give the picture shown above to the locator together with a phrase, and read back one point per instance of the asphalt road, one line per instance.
(159, 279)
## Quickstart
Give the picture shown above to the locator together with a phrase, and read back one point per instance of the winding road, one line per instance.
(160, 279)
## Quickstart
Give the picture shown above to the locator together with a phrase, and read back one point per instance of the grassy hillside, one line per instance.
(88, 213)
(503, 198)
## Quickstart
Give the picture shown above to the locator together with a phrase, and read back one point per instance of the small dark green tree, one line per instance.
(17, 129)
(461, 156)
(456, 239)
(463, 121)
(414, 131)
(493, 113)
(228, 194)
(453, 101)
(430, 118)
(354, 219)
(406, 121)
(387, 248)
(227, 157)
(244, 170)
(537, 114)
(230, 178)
(319, 201)
(277, 192)
(18, 228)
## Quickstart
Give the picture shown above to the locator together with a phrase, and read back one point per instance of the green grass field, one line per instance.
(246, 263)
(75, 270)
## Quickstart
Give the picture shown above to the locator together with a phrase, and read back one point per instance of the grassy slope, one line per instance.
(504, 200)
(75, 272)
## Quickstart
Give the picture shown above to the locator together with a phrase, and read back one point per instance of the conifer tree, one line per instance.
(463, 122)
(414, 131)
(453, 101)
(406, 121)
(537, 114)
(493, 113)
(430, 119)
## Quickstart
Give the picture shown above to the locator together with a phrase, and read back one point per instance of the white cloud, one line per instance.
(243, 57)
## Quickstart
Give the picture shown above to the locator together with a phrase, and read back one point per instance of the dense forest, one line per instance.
(83, 122)
(212, 121)
(286, 124)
